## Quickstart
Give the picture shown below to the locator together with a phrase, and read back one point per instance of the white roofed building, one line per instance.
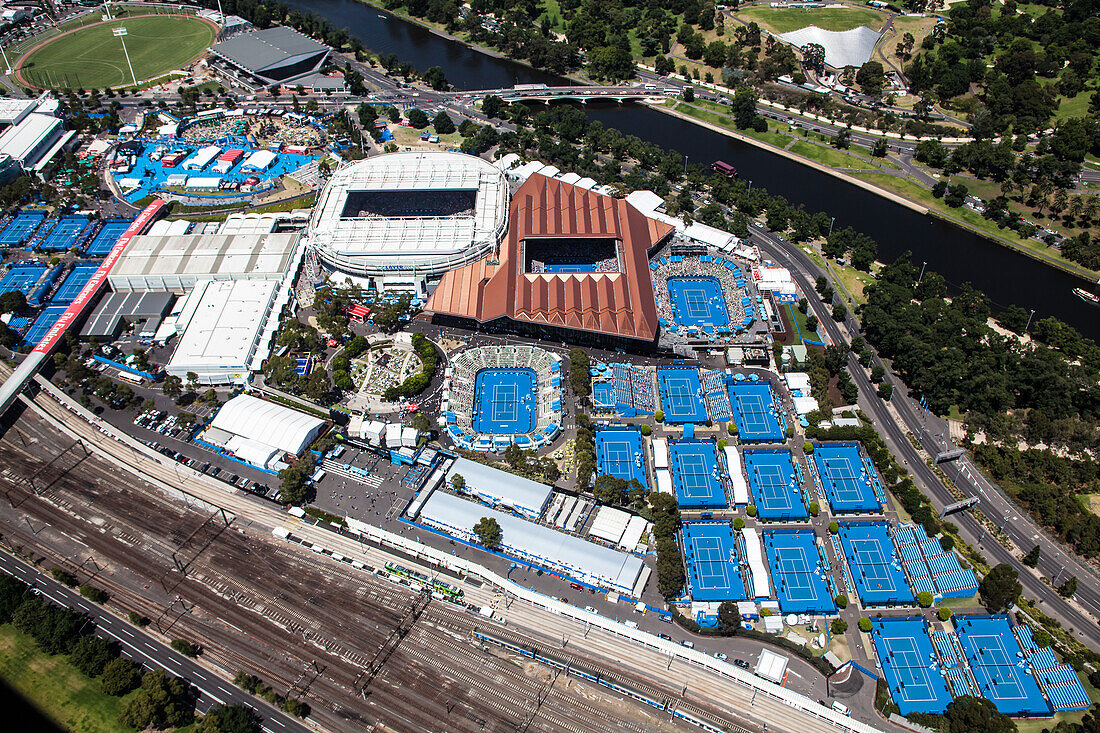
(499, 488)
(262, 428)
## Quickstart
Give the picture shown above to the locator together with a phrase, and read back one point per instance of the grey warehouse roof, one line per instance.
(260, 50)
(501, 487)
(572, 555)
(129, 307)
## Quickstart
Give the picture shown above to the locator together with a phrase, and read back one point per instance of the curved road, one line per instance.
(1018, 526)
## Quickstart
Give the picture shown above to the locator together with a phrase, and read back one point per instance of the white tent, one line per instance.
(268, 423)
(259, 161)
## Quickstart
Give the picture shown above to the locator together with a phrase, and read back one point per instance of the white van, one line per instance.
(842, 709)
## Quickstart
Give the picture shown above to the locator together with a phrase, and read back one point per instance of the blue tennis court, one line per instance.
(909, 664)
(755, 413)
(603, 395)
(65, 233)
(694, 467)
(844, 477)
(775, 487)
(74, 282)
(681, 394)
(22, 278)
(620, 453)
(874, 563)
(107, 237)
(797, 573)
(713, 563)
(698, 301)
(42, 324)
(999, 666)
(20, 229)
(504, 401)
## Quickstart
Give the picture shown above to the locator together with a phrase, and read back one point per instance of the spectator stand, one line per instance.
(681, 394)
(633, 392)
(714, 562)
(847, 480)
(929, 567)
(21, 227)
(759, 419)
(620, 452)
(874, 564)
(1000, 668)
(797, 572)
(715, 395)
(910, 665)
(775, 483)
(695, 475)
(44, 285)
(702, 297)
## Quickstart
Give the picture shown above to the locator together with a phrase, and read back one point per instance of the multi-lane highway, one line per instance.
(1019, 527)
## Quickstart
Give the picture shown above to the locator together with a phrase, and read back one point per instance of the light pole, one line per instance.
(831, 220)
(120, 32)
(922, 266)
(7, 64)
(1029, 315)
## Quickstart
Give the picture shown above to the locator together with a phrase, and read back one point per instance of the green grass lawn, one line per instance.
(828, 156)
(798, 318)
(1073, 106)
(785, 21)
(92, 57)
(57, 688)
(771, 136)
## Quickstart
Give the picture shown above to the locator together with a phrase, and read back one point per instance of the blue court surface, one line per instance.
(64, 234)
(775, 487)
(694, 467)
(603, 395)
(74, 282)
(21, 227)
(713, 563)
(681, 394)
(620, 452)
(698, 301)
(844, 478)
(107, 237)
(999, 666)
(504, 401)
(797, 574)
(874, 564)
(42, 324)
(754, 412)
(909, 664)
(22, 278)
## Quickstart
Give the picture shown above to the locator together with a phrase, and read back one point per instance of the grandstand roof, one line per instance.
(503, 488)
(615, 303)
(268, 423)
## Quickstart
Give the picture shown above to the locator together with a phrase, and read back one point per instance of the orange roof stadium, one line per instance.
(601, 307)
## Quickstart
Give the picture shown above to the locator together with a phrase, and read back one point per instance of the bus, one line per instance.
(130, 377)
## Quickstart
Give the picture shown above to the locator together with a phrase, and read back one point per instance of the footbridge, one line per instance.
(544, 93)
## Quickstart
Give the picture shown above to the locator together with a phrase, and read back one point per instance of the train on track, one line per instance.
(668, 704)
(450, 592)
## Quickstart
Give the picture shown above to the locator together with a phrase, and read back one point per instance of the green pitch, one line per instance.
(92, 58)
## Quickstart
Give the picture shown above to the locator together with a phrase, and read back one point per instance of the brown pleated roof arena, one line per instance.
(613, 303)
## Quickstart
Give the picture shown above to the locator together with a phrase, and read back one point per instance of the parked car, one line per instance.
(741, 663)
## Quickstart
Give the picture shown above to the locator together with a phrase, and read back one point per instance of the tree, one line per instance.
(185, 647)
(119, 677)
(880, 148)
(865, 624)
(458, 482)
(610, 62)
(871, 77)
(1031, 559)
(751, 510)
(815, 508)
(839, 627)
(968, 714)
(92, 654)
(162, 702)
(811, 323)
(839, 312)
(443, 123)
(943, 613)
(739, 523)
(743, 106)
(885, 391)
(493, 106)
(689, 94)
(1068, 588)
(436, 79)
(417, 118)
(833, 527)
(172, 387)
(813, 56)
(488, 532)
(235, 718)
(659, 416)
(93, 594)
(924, 598)
(13, 302)
(1000, 588)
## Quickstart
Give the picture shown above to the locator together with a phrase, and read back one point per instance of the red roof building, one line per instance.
(608, 308)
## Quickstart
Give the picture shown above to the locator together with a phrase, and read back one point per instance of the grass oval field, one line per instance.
(92, 58)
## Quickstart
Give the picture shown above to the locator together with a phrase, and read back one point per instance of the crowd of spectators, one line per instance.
(702, 266)
(579, 256)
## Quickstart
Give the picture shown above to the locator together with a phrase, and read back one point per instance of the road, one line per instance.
(143, 648)
(997, 508)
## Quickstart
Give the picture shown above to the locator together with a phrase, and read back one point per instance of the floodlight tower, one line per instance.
(7, 64)
(121, 33)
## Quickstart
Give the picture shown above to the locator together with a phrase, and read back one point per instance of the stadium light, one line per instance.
(7, 64)
(120, 32)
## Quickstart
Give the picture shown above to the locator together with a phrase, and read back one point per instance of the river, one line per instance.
(1005, 275)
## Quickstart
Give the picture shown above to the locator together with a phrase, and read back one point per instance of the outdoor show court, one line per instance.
(698, 302)
(505, 401)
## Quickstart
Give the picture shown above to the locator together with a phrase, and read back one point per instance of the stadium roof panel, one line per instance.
(269, 50)
(503, 488)
(616, 304)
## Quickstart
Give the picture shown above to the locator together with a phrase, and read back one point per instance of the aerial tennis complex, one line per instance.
(849, 482)
(713, 562)
(494, 396)
(620, 452)
(754, 410)
(874, 564)
(798, 572)
(775, 485)
(695, 474)
(681, 394)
